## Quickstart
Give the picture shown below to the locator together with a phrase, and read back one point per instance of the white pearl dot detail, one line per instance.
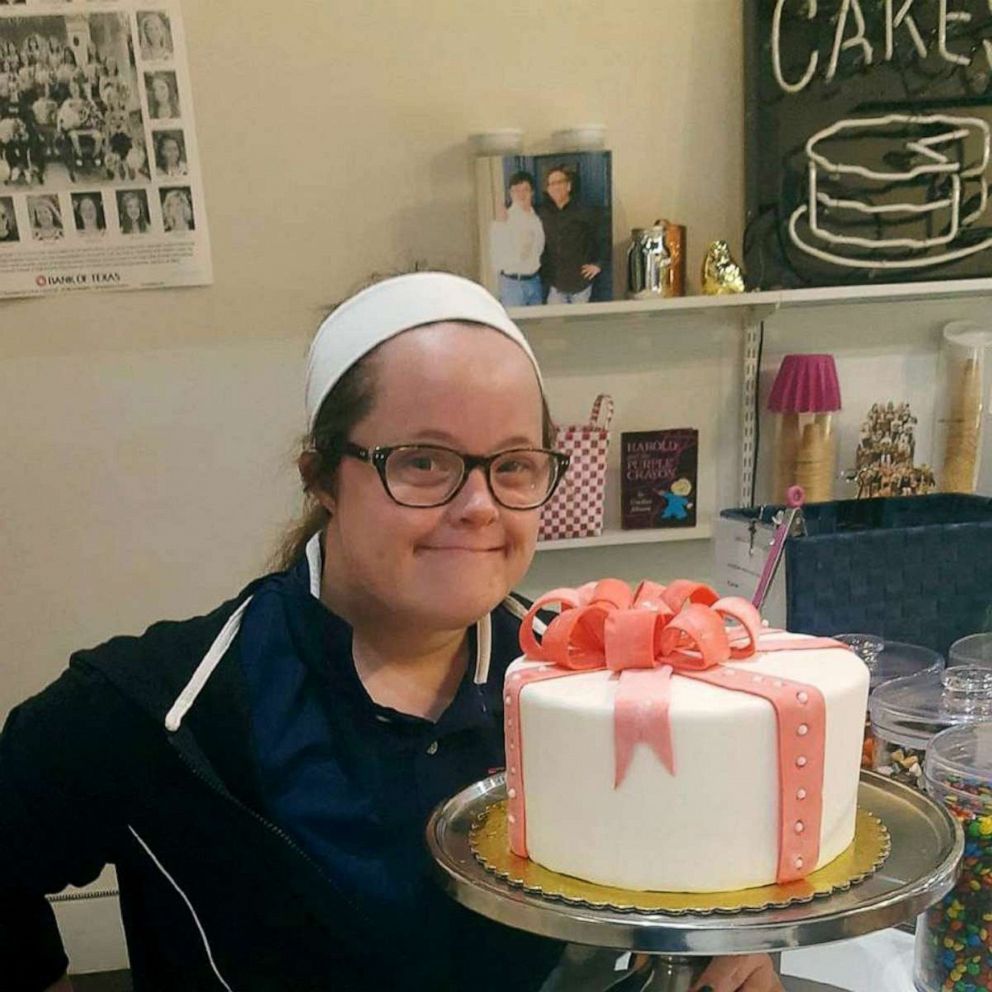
(511, 818)
(512, 793)
(800, 762)
(801, 794)
(513, 770)
(508, 700)
(803, 697)
(802, 730)
(799, 862)
(800, 826)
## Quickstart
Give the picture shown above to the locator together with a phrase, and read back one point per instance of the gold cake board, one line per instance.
(490, 843)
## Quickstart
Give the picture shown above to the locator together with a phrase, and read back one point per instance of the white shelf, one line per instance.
(700, 532)
(774, 299)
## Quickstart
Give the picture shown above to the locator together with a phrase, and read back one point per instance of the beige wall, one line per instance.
(147, 438)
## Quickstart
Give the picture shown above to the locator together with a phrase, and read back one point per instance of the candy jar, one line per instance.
(954, 937)
(906, 713)
(962, 384)
(975, 649)
(887, 660)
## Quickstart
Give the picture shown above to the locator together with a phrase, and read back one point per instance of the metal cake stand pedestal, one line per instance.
(927, 844)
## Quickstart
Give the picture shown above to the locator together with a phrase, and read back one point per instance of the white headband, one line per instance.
(386, 309)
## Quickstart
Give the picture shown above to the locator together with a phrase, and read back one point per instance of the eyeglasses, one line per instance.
(424, 476)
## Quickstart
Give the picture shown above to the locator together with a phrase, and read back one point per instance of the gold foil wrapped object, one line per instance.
(490, 843)
(721, 274)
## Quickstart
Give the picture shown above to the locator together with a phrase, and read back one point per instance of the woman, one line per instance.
(169, 157)
(88, 211)
(177, 211)
(46, 220)
(155, 41)
(8, 222)
(133, 210)
(261, 776)
(162, 100)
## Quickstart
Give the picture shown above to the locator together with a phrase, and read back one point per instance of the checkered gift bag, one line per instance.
(576, 509)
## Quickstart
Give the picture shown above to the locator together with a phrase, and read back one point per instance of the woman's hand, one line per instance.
(739, 973)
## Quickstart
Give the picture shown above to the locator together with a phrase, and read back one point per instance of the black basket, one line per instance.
(913, 568)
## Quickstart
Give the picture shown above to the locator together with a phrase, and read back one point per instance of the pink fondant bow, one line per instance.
(679, 627)
(646, 634)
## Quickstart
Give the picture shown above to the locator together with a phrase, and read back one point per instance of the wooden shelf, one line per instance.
(701, 532)
(773, 299)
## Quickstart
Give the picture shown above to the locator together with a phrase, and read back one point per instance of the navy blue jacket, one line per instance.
(141, 755)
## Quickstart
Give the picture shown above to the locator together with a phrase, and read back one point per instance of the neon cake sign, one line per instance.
(900, 190)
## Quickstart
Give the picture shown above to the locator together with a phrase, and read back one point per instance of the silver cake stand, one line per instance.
(921, 868)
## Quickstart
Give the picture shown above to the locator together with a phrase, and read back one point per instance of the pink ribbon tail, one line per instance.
(640, 716)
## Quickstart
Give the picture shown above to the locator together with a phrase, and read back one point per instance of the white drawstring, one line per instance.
(189, 905)
(205, 669)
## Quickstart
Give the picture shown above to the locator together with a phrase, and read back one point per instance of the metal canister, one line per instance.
(648, 262)
(656, 261)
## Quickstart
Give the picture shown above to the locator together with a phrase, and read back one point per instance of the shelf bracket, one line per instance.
(751, 322)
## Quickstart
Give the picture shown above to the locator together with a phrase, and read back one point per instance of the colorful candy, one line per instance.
(953, 945)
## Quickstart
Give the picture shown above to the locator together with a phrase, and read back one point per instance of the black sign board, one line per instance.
(868, 141)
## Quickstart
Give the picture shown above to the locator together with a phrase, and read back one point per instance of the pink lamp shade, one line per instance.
(805, 384)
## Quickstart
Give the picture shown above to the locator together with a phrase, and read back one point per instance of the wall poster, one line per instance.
(100, 183)
(868, 126)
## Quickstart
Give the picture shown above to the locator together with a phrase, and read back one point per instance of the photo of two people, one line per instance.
(546, 228)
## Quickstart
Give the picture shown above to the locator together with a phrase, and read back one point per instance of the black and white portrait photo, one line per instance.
(177, 209)
(163, 95)
(170, 154)
(8, 221)
(132, 211)
(87, 213)
(154, 36)
(46, 218)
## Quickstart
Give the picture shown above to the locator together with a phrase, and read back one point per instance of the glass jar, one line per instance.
(907, 713)
(887, 660)
(954, 937)
(975, 649)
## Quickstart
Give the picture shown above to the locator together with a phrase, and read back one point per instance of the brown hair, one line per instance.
(351, 399)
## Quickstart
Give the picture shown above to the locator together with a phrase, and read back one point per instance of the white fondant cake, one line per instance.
(711, 826)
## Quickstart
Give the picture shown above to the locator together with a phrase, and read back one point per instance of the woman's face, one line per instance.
(4, 222)
(170, 151)
(43, 214)
(154, 31)
(175, 211)
(439, 569)
(132, 207)
(161, 90)
(88, 213)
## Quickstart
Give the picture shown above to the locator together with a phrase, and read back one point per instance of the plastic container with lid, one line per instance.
(907, 713)
(954, 937)
(887, 660)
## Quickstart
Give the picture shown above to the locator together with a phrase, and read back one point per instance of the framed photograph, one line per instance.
(546, 227)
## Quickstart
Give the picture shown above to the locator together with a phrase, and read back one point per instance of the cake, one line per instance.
(650, 747)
